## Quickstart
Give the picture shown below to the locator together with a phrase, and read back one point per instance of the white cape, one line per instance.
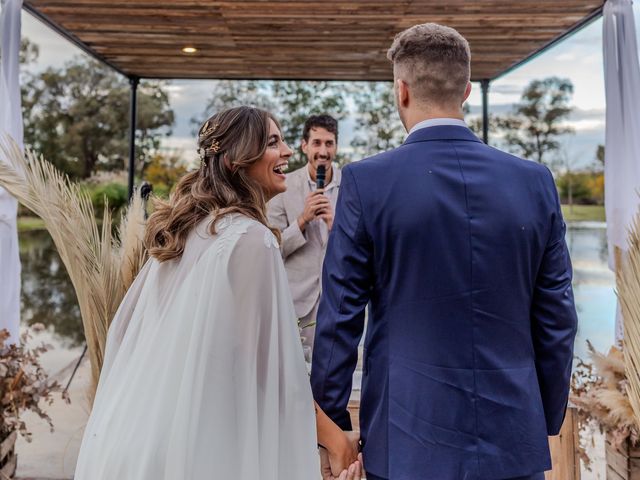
(204, 375)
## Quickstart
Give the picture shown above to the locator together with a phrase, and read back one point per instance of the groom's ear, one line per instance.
(467, 92)
(403, 93)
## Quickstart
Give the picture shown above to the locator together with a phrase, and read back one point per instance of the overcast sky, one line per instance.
(578, 58)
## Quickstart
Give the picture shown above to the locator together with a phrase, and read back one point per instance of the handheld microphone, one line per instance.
(320, 176)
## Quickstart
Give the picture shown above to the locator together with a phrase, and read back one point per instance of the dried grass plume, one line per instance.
(628, 286)
(101, 268)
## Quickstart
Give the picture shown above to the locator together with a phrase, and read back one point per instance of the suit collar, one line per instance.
(442, 132)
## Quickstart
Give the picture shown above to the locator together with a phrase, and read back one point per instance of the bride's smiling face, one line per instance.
(269, 170)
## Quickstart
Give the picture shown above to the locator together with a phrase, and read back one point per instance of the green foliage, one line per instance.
(584, 188)
(29, 52)
(116, 195)
(164, 172)
(290, 101)
(78, 117)
(600, 155)
(29, 223)
(296, 101)
(534, 127)
(378, 124)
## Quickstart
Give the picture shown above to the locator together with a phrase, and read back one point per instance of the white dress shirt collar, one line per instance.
(437, 122)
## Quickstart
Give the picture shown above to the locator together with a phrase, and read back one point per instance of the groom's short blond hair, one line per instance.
(434, 60)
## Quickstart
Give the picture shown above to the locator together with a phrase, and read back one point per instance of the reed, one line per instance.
(101, 265)
(628, 287)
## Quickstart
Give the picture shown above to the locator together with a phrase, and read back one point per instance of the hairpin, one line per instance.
(209, 130)
(214, 148)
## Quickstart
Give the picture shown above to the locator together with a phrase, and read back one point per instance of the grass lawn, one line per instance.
(26, 224)
(582, 213)
(578, 213)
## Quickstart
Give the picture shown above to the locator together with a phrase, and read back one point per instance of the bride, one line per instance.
(204, 376)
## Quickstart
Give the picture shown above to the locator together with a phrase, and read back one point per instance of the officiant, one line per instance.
(304, 214)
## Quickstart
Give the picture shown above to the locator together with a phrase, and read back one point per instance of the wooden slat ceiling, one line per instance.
(320, 39)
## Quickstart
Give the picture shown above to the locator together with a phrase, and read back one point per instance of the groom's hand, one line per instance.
(354, 472)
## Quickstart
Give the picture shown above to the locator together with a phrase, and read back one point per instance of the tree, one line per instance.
(29, 52)
(234, 93)
(534, 127)
(297, 100)
(600, 155)
(78, 117)
(290, 101)
(164, 171)
(378, 125)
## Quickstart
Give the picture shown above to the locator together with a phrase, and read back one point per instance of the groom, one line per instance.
(459, 250)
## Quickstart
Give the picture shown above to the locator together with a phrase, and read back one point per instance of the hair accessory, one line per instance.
(214, 148)
(209, 129)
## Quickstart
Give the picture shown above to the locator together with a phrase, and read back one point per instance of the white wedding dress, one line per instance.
(204, 375)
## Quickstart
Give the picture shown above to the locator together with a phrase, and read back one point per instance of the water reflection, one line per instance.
(47, 294)
(48, 297)
(594, 285)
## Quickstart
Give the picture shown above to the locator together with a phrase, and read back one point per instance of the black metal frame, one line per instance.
(484, 85)
(133, 108)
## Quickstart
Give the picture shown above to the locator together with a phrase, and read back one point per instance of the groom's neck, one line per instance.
(418, 115)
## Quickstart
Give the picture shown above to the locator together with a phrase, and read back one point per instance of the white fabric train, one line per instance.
(204, 375)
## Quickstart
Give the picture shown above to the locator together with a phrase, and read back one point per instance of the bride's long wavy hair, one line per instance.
(228, 143)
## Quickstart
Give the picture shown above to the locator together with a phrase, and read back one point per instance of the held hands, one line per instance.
(342, 461)
(354, 472)
(316, 205)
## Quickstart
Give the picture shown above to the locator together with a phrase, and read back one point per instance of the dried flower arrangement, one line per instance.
(607, 391)
(24, 384)
(599, 392)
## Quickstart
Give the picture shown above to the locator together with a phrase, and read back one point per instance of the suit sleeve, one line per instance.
(292, 236)
(346, 285)
(554, 320)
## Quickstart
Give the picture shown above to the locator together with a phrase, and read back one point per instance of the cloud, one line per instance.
(580, 114)
(565, 57)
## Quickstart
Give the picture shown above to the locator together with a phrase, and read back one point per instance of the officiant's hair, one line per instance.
(228, 143)
(435, 61)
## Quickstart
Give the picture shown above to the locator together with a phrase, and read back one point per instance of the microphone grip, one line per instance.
(320, 176)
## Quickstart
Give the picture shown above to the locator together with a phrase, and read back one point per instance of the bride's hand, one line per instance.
(344, 452)
(353, 472)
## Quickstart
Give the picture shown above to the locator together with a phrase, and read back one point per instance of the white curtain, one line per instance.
(11, 124)
(622, 139)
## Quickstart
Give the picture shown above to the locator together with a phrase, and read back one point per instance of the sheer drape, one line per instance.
(204, 376)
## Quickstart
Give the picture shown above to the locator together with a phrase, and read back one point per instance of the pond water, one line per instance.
(48, 296)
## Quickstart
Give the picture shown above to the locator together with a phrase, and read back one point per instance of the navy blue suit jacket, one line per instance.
(459, 250)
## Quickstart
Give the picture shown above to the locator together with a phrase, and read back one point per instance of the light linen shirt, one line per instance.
(437, 122)
(303, 252)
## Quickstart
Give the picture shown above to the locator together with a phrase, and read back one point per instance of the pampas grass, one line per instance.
(100, 266)
(607, 391)
(628, 286)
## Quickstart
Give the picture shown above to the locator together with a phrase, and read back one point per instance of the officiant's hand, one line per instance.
(353, 472)
(315, 205)
(326, 214)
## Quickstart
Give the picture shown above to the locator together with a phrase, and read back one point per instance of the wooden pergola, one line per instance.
(301, 40)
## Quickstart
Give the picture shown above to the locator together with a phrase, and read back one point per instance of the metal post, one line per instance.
(484, 84)
(132, 131)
